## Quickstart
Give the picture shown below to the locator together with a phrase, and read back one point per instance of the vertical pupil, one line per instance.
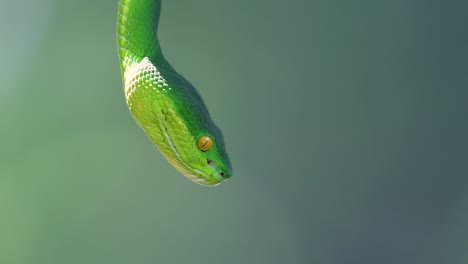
(205, 143)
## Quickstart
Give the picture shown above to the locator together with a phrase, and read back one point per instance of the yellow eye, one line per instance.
(205, 143)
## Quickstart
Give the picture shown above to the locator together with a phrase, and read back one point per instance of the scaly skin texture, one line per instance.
(162, 102)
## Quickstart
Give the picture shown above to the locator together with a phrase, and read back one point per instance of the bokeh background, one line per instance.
(345, 121)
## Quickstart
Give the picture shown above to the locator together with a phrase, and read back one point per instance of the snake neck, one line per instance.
(137, 32)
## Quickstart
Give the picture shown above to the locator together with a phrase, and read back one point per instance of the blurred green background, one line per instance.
(345, 121)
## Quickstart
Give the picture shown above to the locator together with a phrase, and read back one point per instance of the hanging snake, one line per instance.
(165, 105)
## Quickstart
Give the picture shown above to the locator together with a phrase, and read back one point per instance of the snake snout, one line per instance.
(218, 170)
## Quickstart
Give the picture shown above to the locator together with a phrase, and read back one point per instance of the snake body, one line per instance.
(164, 104)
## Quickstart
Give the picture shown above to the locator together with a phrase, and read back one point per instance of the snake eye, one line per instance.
(205, 143)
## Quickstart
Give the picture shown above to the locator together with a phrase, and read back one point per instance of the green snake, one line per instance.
(164, 104)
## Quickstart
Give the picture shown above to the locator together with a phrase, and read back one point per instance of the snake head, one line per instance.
(176, 120)
(205, 162)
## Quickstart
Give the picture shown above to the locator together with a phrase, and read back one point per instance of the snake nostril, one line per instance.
(221, 174)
